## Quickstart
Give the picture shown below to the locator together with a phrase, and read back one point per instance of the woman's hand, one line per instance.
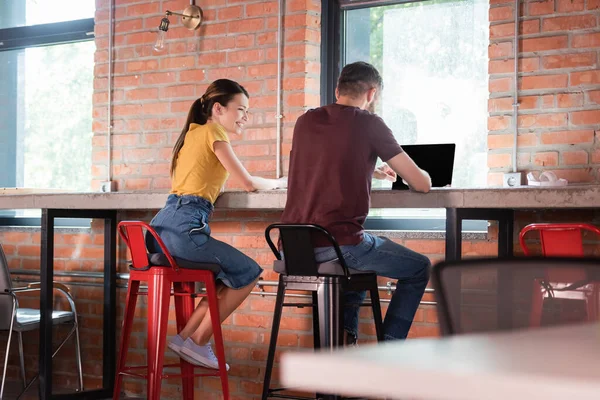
(384, 172)
(282, 183)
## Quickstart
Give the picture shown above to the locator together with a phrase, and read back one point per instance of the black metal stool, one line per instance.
(327, 281)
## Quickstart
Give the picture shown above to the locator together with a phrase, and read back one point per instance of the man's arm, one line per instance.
(414, 176)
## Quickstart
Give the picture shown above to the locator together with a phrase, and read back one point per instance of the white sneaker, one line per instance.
(200, 355)
(175, 344)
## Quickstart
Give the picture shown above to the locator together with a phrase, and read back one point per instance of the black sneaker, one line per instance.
(350, 339)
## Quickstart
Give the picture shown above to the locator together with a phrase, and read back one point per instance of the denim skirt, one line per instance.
(183, 226)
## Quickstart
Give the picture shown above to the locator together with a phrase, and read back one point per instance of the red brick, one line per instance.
(494, 179)
(418, 330)
(540, 7)
(141, 94)
(177, 62)
(137, 184)
(594, 97)
(262, 9)
(178, 91)
(140, 37)
(234, 12)
(142, 9)
(578, 157)
(154, 108)
(542, 120)
(544, 43)
(142, 66)
(506, 141)
(502, 49)
(155, 170)
(15, 237)
(246, 25)
(569, 5)
(244, 41)
(500, 85)
(590, 117)
(508, 65)
(249, 242)
(128, 26)
(501, 13)
(158, 78)
(567, 137)
(500, 104)
(569, 60)
(585, 78)
(569, 23)
(499, 160)
(508, 30)
(543, 82)
(569, 100)
(586, 40)
(245, 56)
(497, 123)
(545, 159)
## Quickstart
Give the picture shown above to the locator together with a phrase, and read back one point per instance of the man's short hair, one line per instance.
(358, 78)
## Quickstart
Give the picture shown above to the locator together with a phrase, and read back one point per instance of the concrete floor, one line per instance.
(13, 389)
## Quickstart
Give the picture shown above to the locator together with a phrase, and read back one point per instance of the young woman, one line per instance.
(202, 160)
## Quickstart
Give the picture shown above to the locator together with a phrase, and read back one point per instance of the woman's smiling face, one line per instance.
(234, 115)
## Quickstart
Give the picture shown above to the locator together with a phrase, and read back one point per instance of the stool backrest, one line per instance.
(558, 240)
(6, 301)
(298, 249)
(132, 233)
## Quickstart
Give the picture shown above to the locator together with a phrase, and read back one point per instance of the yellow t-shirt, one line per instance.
(198, 171)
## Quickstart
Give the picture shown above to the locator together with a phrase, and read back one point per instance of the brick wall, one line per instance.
(559, 89)
(152, 94)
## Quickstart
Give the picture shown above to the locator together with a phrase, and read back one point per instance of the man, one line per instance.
(334, 152)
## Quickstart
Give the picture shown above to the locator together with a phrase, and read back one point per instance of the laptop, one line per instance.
(436, 159)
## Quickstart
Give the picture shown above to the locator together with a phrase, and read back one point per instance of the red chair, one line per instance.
(560, 240)
(160, 271)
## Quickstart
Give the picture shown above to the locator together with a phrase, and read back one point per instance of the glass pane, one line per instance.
(433, 59)
(491, 295)
(14, 13)
(435, 74)
(48, 129)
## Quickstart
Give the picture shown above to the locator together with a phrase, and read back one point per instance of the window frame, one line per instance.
(332, 59)
(23, 37)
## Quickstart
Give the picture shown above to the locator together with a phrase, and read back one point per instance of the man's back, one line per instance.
(334, 151)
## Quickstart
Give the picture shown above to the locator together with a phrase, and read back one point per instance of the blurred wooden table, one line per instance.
(549, 363)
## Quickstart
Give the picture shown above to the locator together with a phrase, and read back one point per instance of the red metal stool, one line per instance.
(560, 240)
(159, 271)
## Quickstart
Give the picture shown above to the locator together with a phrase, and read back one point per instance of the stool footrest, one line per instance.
(126, 371)
(300, 305)
(287, 396)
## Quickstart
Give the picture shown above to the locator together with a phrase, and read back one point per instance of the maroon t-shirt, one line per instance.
(334, 151)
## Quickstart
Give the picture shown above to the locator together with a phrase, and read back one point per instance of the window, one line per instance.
(46, 85)
(46, 90)
(433, 58)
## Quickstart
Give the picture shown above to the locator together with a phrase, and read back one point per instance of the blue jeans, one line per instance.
(182, 224)
(391, 260)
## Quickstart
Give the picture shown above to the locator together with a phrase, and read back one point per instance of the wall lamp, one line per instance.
(191, 18)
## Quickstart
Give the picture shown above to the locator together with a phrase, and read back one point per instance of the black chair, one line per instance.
(482, 295)
(327, 282)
